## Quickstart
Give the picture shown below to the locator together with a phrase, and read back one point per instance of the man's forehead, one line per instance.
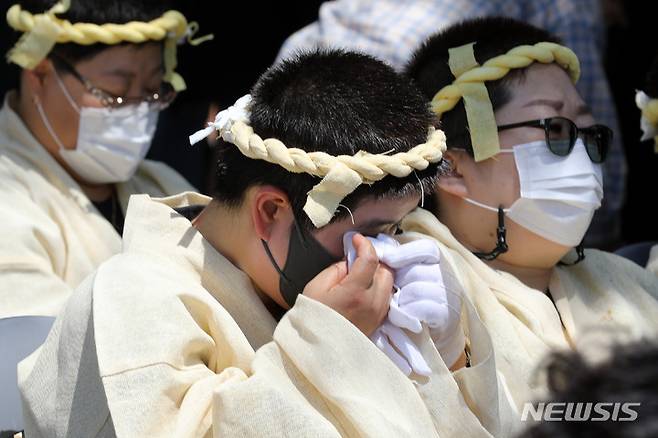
(381, 211)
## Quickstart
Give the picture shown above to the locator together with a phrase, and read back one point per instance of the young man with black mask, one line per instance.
(235, 316)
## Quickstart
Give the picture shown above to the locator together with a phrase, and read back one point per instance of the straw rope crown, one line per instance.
(43, 31)
(341, 174)
(469, 85)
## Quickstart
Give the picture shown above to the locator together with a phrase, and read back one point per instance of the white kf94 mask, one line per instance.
(558, 194)
(111, 142)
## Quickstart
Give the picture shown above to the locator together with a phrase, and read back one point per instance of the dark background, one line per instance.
(248, 36)
(632, 46)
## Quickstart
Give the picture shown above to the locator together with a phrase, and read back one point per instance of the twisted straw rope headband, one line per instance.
(43, 31)
(469, 85)
(341, 174)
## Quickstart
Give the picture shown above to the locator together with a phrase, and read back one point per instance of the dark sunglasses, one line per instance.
(562, 133)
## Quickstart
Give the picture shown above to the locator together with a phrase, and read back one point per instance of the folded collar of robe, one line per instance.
(649, 119)
(469, 85)
(42, 31)
(341, 175)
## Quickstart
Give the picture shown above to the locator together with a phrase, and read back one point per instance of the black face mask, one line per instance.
(306, 259)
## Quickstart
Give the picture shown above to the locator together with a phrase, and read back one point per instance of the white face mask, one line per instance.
(558, 194)
(111, 142)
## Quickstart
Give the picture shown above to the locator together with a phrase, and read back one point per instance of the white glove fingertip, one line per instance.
(407, 348)
(421, 368)
(398, 360)
(400, 318)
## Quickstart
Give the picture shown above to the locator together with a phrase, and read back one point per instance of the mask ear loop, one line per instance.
(302, 238)
(296, 229)
(46, 122)
(65, 91)
(580, 252)
(422, 190)
(349, 211)
(271, 257)
(501, 239)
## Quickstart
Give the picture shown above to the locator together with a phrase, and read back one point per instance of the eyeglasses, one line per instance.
(158, 100)
(562, 133)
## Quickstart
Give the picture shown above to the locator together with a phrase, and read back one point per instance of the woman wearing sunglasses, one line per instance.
(73, 138)
(523, 183)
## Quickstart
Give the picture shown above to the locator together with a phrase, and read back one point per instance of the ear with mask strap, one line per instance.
(306, 258)
(501, 239)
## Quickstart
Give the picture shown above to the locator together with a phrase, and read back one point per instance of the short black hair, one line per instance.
(630, 375)
(96, 12)
(336, 102)
(493, 36)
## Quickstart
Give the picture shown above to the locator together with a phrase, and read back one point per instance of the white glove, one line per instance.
(424, 297)
(421, 297)
(409, 357)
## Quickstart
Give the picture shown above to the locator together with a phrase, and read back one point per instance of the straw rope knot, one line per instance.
(496, 68)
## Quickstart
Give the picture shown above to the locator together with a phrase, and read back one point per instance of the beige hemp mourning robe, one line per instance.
(170, 339)
(51, 235)
(605, 296)
(652, 263)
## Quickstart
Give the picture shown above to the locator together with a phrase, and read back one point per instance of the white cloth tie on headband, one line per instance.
(649, 130)
(225, 119)
(421, 297)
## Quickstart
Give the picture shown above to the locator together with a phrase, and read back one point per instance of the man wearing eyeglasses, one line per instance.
(73, 139)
